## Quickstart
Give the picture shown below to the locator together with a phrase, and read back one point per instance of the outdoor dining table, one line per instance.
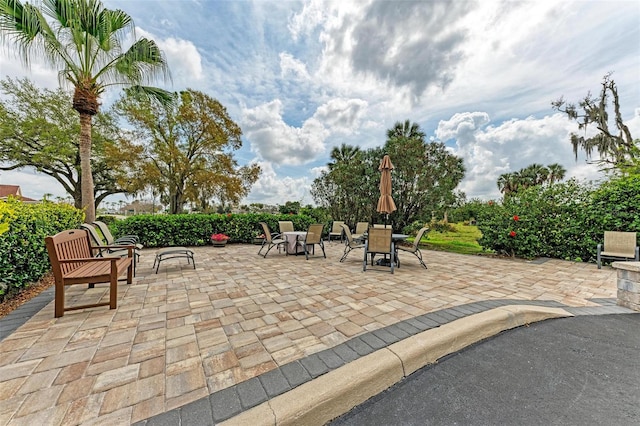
(294, 239)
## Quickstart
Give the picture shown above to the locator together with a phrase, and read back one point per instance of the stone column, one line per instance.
(628, 284)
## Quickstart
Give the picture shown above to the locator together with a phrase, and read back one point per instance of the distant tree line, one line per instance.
(424, 179)
(532, 175)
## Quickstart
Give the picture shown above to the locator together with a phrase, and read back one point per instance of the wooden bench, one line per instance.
(72, 261)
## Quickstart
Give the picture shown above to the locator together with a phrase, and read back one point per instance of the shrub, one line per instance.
(196, 229)
(107, 219)
(414, 227)
(440, 226)
(565, 220)
(24, 257)
(467, 212)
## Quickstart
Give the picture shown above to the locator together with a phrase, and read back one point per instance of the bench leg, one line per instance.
(59, 301)
(130, 272)
(113, 290)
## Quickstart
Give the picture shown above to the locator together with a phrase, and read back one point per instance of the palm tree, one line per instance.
(345, 153)
(556, 173)
(405, 130)
(83, 40)
(535, 174)
(508, 183)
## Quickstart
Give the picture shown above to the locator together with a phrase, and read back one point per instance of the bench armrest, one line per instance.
(129, 248)
(88, 259)
(119, 246)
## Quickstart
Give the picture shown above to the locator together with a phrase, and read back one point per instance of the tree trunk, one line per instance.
(86, 180)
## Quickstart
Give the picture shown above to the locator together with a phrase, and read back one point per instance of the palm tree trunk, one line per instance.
(85, 168)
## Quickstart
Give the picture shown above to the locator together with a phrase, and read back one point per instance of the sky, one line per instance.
(301, 77)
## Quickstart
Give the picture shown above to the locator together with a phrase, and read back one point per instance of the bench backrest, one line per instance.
(620, 242)
(65, 245)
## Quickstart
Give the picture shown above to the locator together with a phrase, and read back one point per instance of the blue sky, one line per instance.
(301, 77)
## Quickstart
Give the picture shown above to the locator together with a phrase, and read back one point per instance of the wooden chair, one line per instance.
(336, 230)
(415, 249)
(351, 243)
(379, 241)
(73, 262)
(269, 241)
(618, 246)
(313, 238)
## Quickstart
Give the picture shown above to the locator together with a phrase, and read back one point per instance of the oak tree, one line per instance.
(188, 150)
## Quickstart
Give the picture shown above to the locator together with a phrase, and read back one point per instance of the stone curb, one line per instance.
(320, 400)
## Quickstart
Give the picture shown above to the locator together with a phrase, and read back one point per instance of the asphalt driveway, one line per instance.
(583, 370)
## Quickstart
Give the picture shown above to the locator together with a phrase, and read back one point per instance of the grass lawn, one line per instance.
(463, 240)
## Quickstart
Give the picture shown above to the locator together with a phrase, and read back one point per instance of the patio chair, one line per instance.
(110, 240)
(351, 243)
(269, 241)
(313, 238)
(110, 250)
(381, 225)
(361, 228)
(618, 246)
(336, 230)
(414, 248)
(379, 241)
(285, 226)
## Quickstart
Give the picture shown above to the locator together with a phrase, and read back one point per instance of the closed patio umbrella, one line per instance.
(386, 204)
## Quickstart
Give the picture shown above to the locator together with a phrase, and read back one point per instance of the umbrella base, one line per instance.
(383, 262)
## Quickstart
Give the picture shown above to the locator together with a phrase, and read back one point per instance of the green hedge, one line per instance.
(196, 229)
(564, 221)
(24, 258)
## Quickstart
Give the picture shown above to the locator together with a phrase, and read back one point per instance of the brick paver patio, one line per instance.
(182, 334)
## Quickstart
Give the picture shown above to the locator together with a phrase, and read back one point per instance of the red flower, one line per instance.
(228, 214)
(490, 203)
(219, 237)
(516, 218)
(512, 233)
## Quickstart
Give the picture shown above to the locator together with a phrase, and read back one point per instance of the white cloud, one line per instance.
(313, 13)
(489, 151)
(273, 189)
(342, 115)
(182, 56)
(33, 185)
(291, 67)
(274, 140)
(37, 71)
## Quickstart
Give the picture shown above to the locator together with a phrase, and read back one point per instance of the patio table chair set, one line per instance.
(307, 240)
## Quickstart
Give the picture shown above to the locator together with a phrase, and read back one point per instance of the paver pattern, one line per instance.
(182, 334)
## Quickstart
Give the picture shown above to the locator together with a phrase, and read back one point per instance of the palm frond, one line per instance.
(142, 61)
(163, 97)
(21, 25)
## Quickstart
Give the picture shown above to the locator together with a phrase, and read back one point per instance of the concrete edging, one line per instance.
(333, 394)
